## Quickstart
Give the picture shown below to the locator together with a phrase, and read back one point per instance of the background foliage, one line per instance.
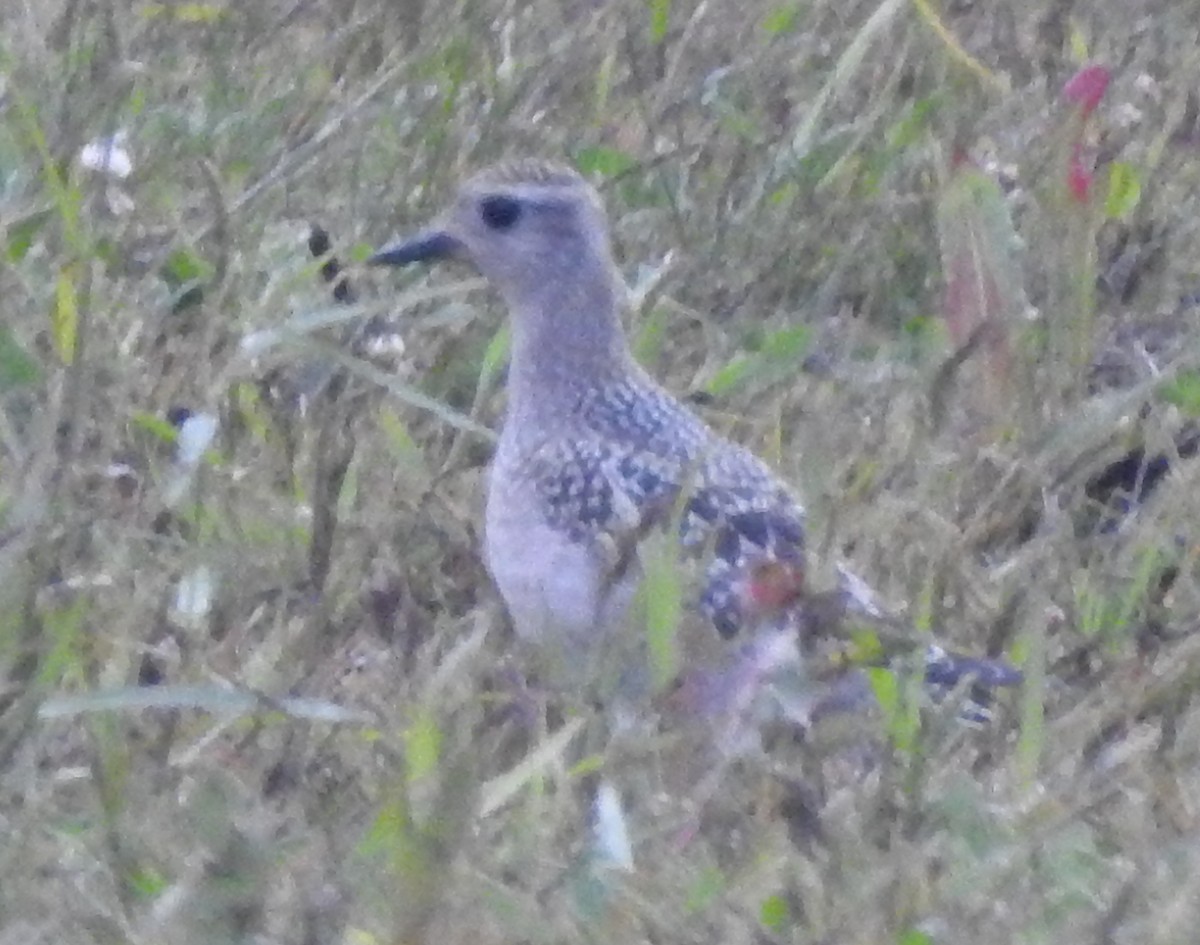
(256, 684)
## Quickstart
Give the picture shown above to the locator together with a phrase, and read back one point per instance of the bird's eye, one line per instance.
(500, 212)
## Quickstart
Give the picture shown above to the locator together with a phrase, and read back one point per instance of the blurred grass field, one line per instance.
(265, 692)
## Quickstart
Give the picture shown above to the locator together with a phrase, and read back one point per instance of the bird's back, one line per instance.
(622, 457)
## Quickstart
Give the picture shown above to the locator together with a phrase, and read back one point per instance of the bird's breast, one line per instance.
(553, 585)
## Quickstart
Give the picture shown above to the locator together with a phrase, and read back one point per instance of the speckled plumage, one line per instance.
(593, 453)
(618, 466)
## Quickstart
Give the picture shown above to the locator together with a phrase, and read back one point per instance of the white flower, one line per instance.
(107, 156)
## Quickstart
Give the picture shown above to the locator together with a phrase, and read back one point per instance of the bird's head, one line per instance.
(526, 226)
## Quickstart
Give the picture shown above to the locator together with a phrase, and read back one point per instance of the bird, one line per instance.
(593, 454)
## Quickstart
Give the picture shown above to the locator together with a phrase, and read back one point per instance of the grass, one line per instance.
(264, 690)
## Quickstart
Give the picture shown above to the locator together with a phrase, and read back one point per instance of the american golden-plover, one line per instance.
(594, 454)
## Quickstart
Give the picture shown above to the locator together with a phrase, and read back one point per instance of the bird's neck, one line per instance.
(566, 337)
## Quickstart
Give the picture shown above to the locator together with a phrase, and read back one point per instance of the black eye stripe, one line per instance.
(499, 211)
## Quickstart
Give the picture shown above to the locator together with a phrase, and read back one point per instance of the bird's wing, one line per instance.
(740, 517)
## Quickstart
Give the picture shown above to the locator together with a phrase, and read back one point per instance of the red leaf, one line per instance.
(1079, 176)
(1087, 87)
(983, 286)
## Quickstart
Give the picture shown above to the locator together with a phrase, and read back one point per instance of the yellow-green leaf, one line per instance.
(1124, 190)
(729, 376)
(1077, 41)
(157, 426)
(662, 594)
(185, 12)
(423, 746)
(495, 357)
(773, 913)
(705, 888)
(782, 19)
(17, 368)
(606, 162)
(146, 882)
(866, 647)
(1184, 392)
(886, 688)
(901, 715)
(198, 13)
(20, 233)
(660, 19)
(650, 338)
(64, 316)
(185, 267)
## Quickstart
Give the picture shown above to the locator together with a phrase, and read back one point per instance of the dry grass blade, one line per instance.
(549, 755)
(260, 342)
(400, 390)
(955, 50)
(848, 64)
(221, 700)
